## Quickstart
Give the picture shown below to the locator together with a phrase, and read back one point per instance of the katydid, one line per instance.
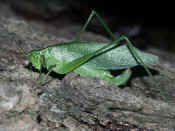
(91, 58)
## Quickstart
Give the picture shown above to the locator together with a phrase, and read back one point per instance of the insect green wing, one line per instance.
(112, 58)
(69, 56)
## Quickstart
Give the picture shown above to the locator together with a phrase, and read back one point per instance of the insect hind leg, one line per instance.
(94, 13)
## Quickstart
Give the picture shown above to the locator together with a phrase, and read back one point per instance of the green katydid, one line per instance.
(92, 58)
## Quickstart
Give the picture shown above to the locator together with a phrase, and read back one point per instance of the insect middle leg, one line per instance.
(121, 79)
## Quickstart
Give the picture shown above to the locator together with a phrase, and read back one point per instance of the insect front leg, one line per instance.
(43, 79)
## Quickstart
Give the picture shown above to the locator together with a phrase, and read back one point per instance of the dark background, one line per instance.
(155, 20)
